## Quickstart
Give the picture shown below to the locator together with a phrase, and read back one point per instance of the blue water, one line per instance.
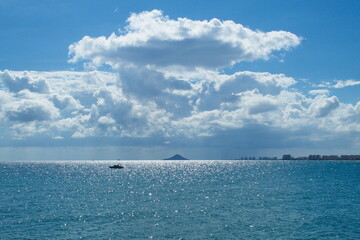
(180, 200)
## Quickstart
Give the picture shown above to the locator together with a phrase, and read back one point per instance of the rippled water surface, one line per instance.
(180, 200)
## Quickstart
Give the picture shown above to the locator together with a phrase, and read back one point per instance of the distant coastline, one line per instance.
(310, 157)
(322, 157)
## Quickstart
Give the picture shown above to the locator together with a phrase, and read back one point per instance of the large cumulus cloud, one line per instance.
(154, 39)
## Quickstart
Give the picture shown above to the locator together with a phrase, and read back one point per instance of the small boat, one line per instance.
(116, 166)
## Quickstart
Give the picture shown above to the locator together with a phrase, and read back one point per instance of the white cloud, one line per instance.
(338, 83)
(58, 137)
(319, 92)
(16, 84)
(66, 102)
(27, 110)
(322, 106)
(262, 105)
(346, 83)
(106, 120)
(21, 130)
(154, 39)
(78, 135)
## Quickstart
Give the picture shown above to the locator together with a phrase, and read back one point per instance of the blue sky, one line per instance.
(265, 78)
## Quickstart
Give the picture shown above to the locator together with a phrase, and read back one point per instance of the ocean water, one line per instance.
(180, 200)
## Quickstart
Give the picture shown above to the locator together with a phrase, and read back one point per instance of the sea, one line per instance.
(180, 200)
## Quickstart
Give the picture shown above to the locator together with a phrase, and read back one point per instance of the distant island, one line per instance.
(176, 157)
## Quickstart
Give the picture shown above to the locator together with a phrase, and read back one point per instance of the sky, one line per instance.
(138, 79)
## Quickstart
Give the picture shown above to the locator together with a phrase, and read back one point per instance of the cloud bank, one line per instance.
(166, 83)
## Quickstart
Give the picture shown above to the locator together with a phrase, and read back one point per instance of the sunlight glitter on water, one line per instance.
(174, 199)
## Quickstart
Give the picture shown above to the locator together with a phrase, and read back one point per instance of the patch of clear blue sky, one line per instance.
(35, 35)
